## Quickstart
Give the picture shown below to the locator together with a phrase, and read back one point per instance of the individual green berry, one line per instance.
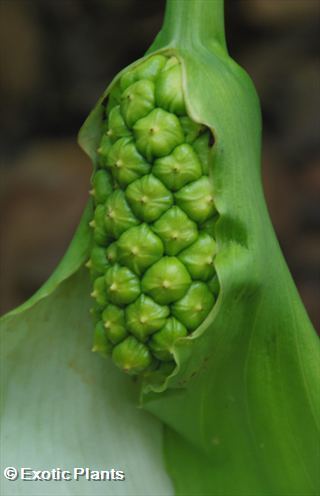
(114, 324)
(196, 199)
(117, 127)
(179, 168)
(148, 198)
(131, 356)
(101, 344)
(163, 341)
(157, 134)
(102, 186)
(100, 234)
(138, 248)
(168, 92)
(137, 101)
(145, 316)
(176, 230)
(112, 253)
(193, 308)
(118, 216)
(98, 259)
(122, 285)
(125, 162)
(149, 69)
(191, 129)
(199, 257)
(99, 291)
(166, 281)
(103, 150)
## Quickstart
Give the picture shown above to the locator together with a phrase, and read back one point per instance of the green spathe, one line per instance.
(241, 409)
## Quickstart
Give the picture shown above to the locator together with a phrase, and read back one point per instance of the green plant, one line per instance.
(152, 196)
(240, 405)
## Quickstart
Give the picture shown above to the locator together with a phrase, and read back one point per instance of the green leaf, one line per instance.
(243, 408)
(63, 406)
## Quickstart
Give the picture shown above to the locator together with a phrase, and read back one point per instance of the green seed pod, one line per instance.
(103, 150)
(166, 281)
(198, 258)
(179, 168)
(157, 134)
(117, 127)
(145, 316)
(149, 69)
(99, 292)
(202, 148)
(169, 95)
(122, 285)
(101, 344)
(138, 248)
(114, 324)
(102, 186)
(191, 129)
(100, 234)
(196, 199)
(193, 308)
(137, 101)
(156, 213)
(162, 342)
(118, 216)
(112, 253)
(98, 260)
(131, 356)
(148, 198)
(176, 230)
(125, 162)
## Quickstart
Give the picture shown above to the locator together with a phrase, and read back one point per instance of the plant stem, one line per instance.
(193, 22)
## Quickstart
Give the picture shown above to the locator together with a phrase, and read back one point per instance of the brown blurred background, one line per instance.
(57, 56)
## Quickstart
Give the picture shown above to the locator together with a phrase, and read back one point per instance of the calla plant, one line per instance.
(238, 412)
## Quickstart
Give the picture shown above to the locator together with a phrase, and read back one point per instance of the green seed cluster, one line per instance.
(153, 253)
